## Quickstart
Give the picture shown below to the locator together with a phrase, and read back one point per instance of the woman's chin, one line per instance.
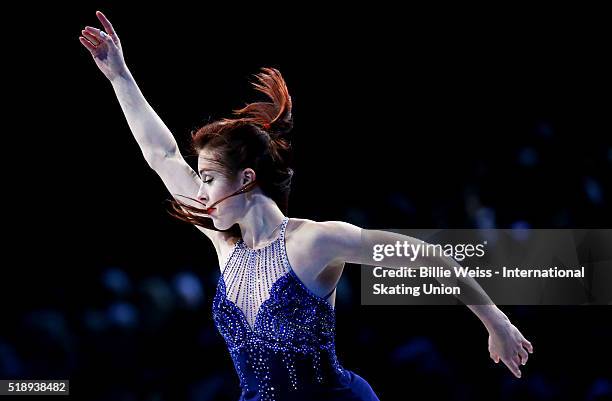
(218, 225)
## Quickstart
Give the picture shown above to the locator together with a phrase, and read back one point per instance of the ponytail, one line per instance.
(273, 117)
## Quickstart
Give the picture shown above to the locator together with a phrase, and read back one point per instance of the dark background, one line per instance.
(404, 118)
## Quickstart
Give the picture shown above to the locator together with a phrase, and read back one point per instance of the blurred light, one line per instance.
(472, 201)
(158, 301)
(157, 291)
(207, 390)
(189, 289)
(544, 129)
(10, 365)
(485, 222)
(49, 321)
(95, 320)
(420, 351)
(116, 280)
(599, 389)
(52, 335)
(344, 292)
(413, 349)
(530, 387)
(528, 157)
(520, 230)
(541, 388)
(123, 314)
(593, 190)
(485, 218)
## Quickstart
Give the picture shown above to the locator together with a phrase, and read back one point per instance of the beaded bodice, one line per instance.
(280, 334)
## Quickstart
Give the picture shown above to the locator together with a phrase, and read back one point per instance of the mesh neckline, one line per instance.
(281, 235)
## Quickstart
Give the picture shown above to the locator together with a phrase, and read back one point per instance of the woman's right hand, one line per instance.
(105, 48)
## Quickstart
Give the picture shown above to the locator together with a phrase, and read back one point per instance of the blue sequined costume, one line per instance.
(280, 335)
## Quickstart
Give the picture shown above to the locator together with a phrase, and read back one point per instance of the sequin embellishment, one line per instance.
(280, 335)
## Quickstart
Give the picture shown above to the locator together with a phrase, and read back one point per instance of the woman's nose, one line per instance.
(201, 196)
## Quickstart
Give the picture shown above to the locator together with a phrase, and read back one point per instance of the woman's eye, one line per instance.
(208, 180)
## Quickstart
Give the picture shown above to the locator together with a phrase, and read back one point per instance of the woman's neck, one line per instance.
(259, 226)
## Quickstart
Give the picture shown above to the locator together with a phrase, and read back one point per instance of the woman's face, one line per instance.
(214, 186)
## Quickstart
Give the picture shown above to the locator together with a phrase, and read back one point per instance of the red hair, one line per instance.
(255, 138)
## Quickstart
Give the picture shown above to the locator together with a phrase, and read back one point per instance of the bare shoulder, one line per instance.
(322, 230)
(334, 238)
(313, 253)
(301, 229)
(305, 230)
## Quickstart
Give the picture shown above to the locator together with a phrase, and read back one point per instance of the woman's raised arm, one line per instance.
(156, 142)
(155, 139)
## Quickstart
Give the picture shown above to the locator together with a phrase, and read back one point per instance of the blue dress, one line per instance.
(280, 335)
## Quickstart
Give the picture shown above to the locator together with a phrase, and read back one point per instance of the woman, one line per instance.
(274, 304)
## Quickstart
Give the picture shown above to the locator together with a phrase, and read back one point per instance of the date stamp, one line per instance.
(34, 387)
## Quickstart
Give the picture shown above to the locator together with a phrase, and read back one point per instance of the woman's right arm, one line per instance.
(156, 142)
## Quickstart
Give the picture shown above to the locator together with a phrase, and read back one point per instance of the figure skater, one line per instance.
(274, 304)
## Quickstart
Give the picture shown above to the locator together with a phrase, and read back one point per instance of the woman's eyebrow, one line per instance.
(202, 170)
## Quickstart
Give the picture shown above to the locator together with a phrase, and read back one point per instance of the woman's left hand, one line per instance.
(506, 343)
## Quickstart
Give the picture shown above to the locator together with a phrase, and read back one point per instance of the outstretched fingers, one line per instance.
(87, 44)
(513, 366)
(94, 40)
(97, 36)
(95, 32)
(108, 27)
(523, 355)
